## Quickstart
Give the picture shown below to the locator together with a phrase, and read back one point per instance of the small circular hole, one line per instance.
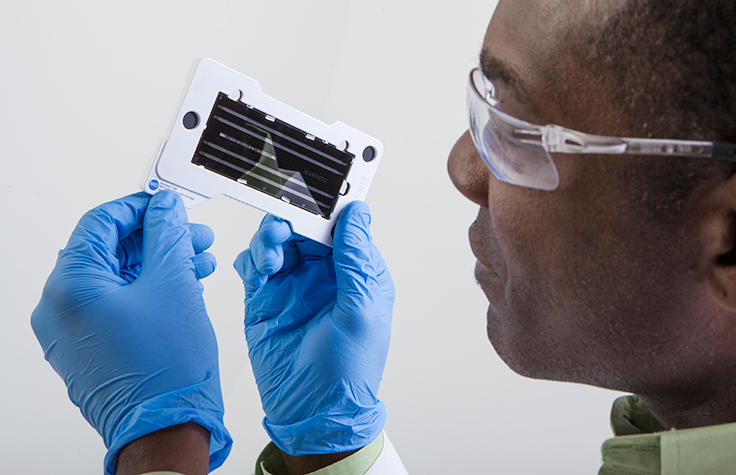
(190, 120)
(369, 153)
(235, 95)
(342, 146)
(344, 188)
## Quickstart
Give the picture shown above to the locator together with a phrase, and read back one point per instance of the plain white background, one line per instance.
(88, 89)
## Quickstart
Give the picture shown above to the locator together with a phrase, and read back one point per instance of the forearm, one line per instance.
(183, 448)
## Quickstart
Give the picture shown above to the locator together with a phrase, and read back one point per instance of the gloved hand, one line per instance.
(123, 322)
(318, 323)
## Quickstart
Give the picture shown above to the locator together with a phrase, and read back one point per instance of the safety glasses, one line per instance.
(519, 152)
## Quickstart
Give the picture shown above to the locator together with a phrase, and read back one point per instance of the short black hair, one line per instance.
(670, 66)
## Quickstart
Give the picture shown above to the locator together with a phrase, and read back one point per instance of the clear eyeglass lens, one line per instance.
(512, 149)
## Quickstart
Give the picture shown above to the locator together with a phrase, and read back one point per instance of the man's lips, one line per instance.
(485, 249)
(483, 273)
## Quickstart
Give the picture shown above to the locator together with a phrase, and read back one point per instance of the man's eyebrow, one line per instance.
(497, 71)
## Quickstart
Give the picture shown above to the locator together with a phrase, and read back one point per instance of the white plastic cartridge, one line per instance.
(229, 138)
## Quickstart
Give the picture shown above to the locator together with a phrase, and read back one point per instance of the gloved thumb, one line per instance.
(246, 269)
(267, 245)
(167, 243)
(364, 286)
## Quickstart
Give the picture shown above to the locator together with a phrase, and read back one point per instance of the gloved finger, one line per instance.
(266, 246)
(358, 265)
(274, 230)
(292, 256)
(166, 240)
(202, 237)
(246, 269)
(98, 233)
(130, 250)
(130, 273)
(309, 249)
(204, 264)
(384, 280)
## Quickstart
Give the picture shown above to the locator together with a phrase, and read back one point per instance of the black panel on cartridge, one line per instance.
(251, 147)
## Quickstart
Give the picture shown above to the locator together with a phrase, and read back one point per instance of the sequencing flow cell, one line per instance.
(228, 138)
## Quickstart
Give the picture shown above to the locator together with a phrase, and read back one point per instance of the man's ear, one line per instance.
(719, 234)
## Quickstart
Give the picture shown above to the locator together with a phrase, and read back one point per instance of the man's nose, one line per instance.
(467, 171)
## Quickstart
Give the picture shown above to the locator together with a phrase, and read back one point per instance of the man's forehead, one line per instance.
(554, 13)
(528, 44)
(535, 28)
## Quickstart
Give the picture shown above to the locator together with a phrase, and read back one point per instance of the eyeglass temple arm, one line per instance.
(724, 151)
(682, 148)
(558, 139)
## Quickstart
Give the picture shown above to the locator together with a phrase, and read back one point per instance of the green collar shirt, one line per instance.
(643, 447)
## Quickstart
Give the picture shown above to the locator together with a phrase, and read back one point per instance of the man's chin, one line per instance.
(536, 359)
(525, 355)
(506, 348)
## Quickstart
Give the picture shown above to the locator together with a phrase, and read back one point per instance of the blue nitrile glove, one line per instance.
(123, 322)
(318, 324)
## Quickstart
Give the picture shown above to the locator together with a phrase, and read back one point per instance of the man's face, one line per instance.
(584, 284)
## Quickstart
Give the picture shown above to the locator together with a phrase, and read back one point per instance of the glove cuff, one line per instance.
(165, 411)
(326, 434)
